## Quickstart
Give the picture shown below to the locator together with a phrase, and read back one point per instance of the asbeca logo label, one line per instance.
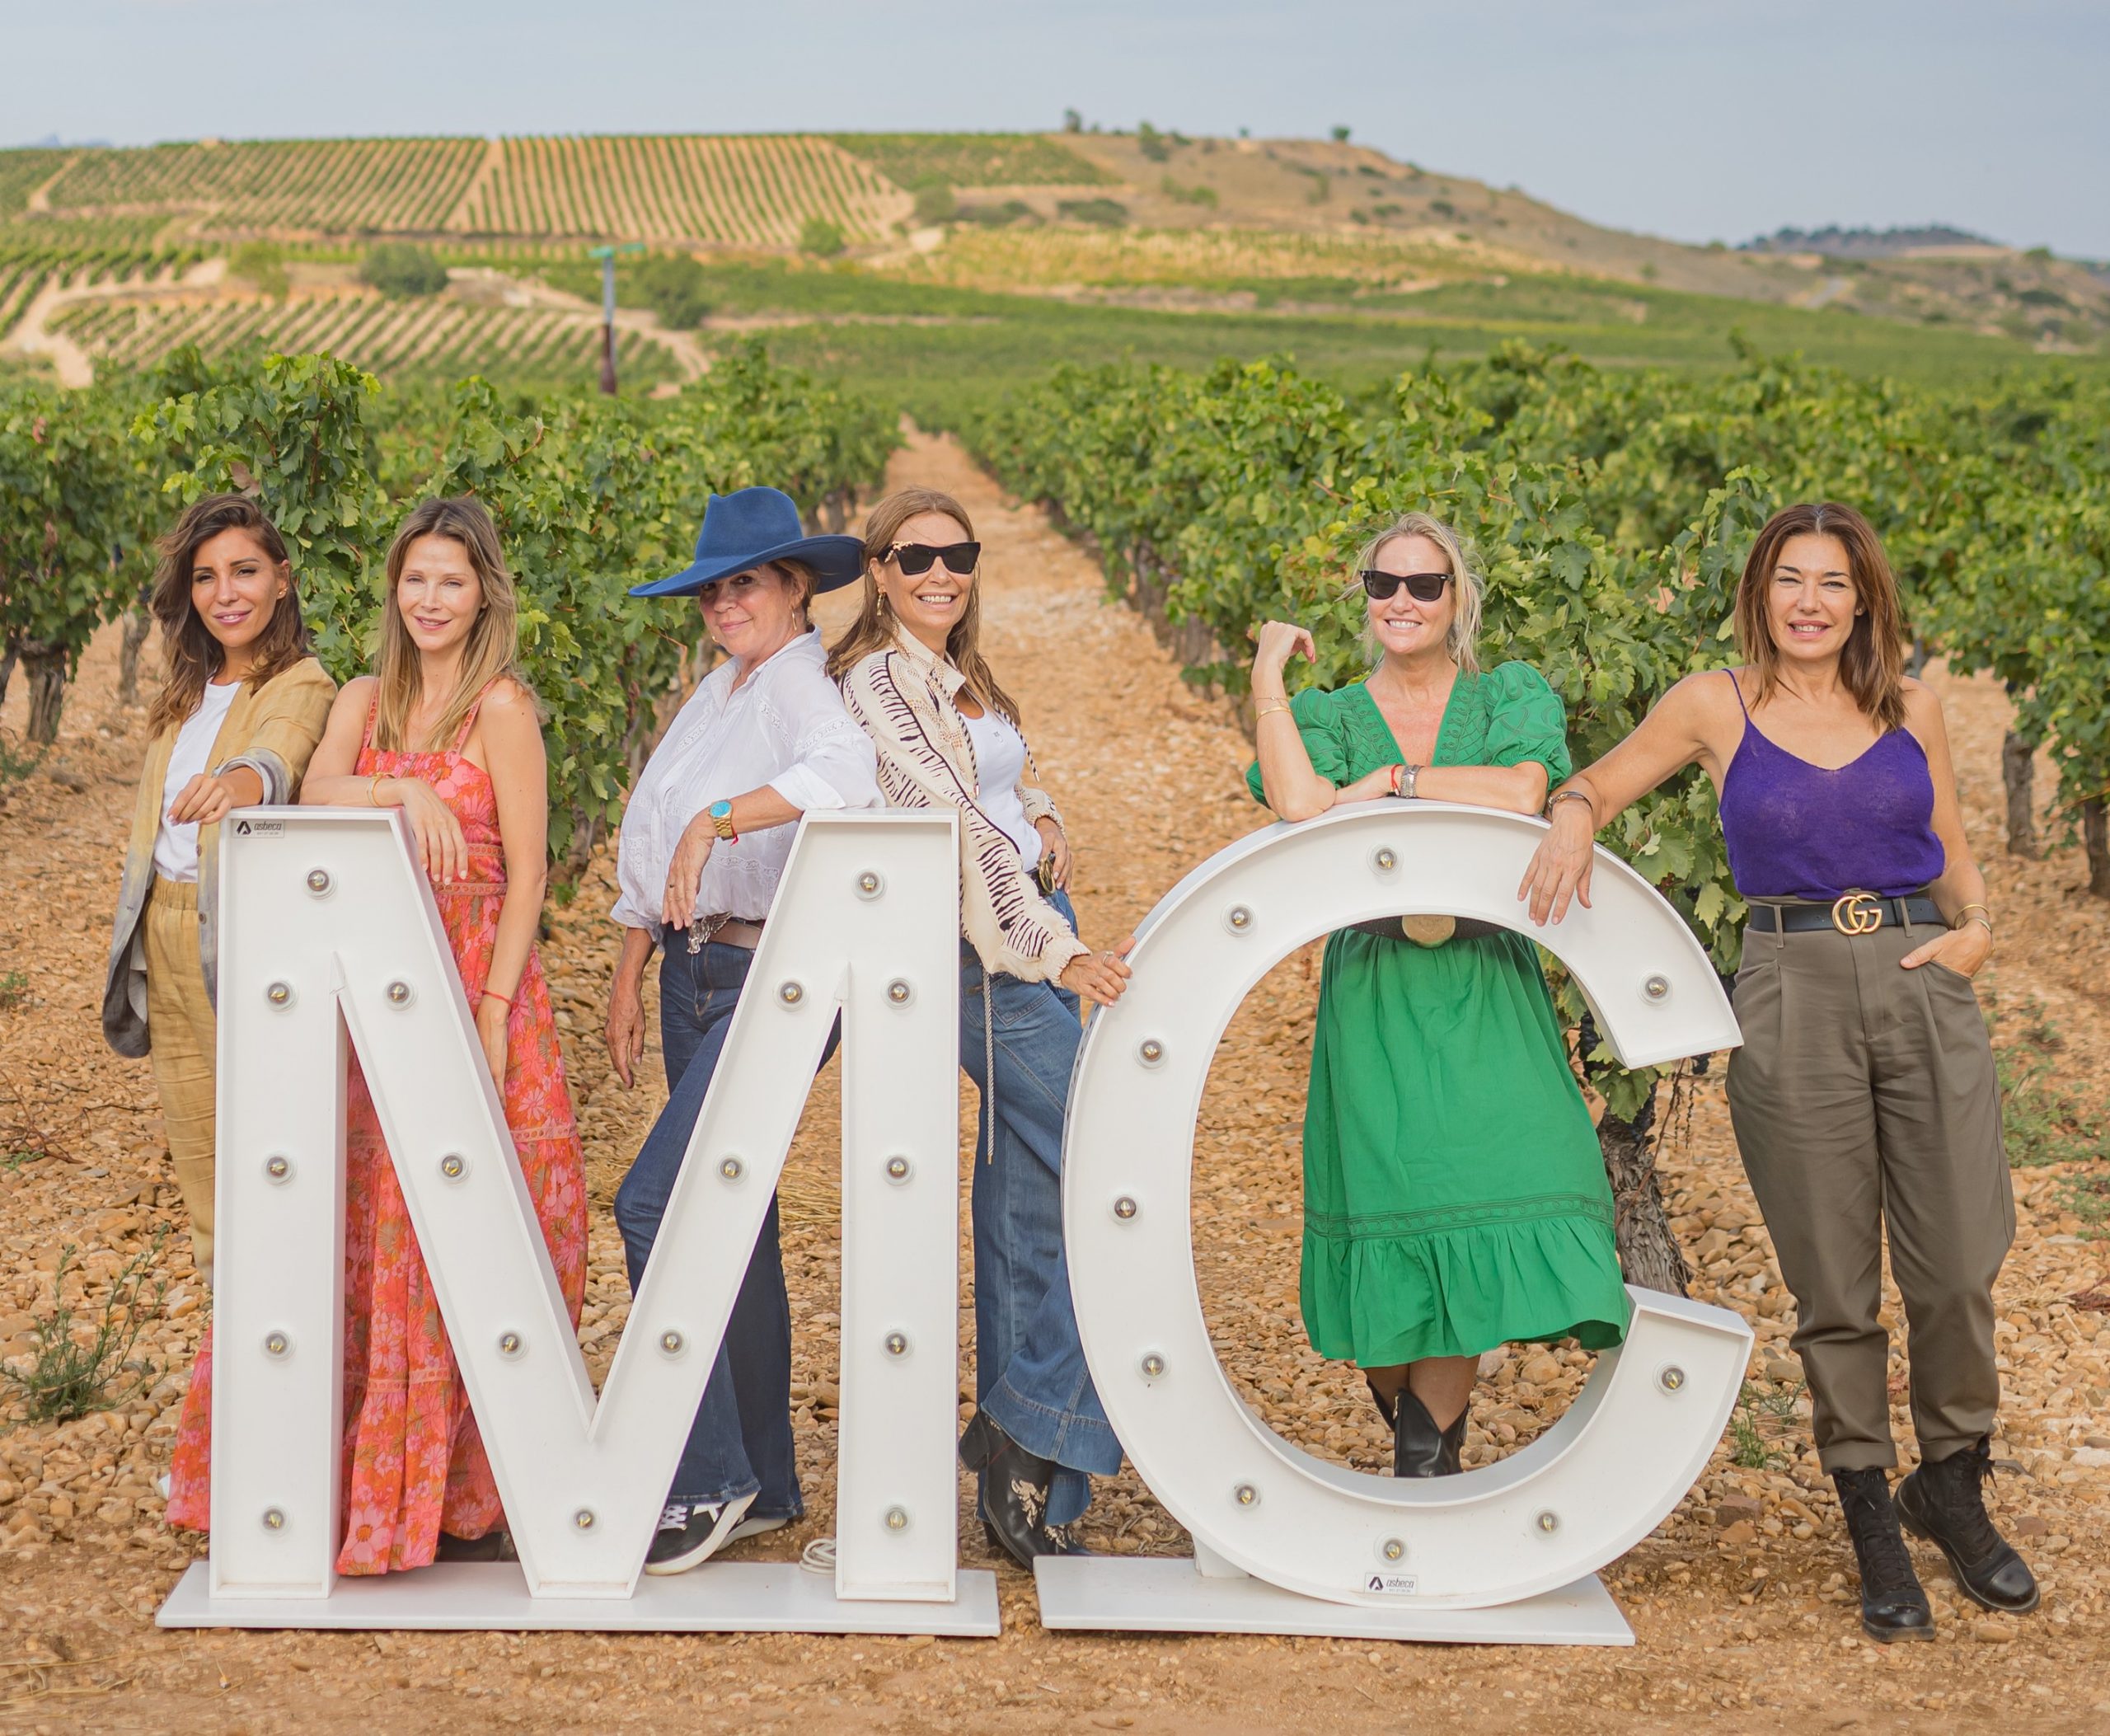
(260, 829)
(1391, 1585)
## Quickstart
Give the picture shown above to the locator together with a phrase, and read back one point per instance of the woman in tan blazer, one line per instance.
(242, 710)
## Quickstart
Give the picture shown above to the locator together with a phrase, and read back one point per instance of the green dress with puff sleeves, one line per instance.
(1455, 1196)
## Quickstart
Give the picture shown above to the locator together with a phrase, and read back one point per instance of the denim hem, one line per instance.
(746, 1486)
(1076, 1443)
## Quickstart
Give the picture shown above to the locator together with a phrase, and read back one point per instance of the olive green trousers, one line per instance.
(1865, 1101)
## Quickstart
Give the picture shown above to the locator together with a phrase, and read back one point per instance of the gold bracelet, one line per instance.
(1986, 917)
(1269, 707)
(374, 791)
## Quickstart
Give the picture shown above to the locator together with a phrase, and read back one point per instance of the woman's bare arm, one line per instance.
(1959, 892)
(514, 757)
(1682, 730)
(331, 781)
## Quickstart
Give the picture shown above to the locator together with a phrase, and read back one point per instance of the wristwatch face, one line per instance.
(721, 810)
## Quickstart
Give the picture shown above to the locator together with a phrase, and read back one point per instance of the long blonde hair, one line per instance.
(1462, 640)
(874, 628)
(494, 647)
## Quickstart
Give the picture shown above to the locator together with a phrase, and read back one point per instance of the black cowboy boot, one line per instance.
(1944, 1502)
(1011, 1494)
(1419, 1448)
(1388, 1409)
(1893, 1607)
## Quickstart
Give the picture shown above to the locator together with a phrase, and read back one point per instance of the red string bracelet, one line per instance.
(494, 995)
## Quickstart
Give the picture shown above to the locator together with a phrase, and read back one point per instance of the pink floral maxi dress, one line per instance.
(414, 1464)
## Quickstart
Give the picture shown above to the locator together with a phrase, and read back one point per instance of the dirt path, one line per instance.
(1739, 1600)
(32, 335)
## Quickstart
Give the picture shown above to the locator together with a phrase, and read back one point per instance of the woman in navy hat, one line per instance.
(705, 840)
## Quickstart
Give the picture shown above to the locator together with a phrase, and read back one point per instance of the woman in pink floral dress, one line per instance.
(448, 732)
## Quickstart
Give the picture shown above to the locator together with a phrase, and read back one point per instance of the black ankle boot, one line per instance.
(1944, 1502)
(1388, 1409)
(1011, 1494)
(1893, 1606)
(1419, 1448)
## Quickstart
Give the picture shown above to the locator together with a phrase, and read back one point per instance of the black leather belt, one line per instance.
(1857, 912)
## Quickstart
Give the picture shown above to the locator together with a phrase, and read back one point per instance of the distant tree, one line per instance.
(1072, 121)
(1152, 142)
(821, 238)
(1340, 135)
(403, 269)
(261, 266)
(1108, 213)
(672, 285)
(934, 203)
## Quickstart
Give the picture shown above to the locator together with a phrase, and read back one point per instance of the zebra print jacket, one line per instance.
(902, 697)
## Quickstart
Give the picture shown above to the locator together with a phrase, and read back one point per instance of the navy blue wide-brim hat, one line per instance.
(748, 528)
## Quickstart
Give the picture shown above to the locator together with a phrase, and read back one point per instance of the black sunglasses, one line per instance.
(1422, 587)
(916, 557)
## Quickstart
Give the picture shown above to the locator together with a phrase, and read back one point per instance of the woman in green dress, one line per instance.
(1455, 1198)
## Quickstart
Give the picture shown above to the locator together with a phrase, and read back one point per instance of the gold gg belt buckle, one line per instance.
(1857, 912)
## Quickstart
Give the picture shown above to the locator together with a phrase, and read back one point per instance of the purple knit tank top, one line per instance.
(1797, 831)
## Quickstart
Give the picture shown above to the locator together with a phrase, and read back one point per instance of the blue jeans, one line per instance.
(741, 1440)
(1030, 1363)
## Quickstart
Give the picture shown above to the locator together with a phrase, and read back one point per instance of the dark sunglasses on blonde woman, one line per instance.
(1422, 587)
(916, 557)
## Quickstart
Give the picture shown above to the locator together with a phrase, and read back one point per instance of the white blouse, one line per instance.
(1000, 768)
(175, 847)
(786, 728)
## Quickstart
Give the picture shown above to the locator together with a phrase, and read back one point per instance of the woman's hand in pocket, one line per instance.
(1963, 950)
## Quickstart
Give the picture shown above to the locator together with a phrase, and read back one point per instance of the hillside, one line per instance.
(110, 257)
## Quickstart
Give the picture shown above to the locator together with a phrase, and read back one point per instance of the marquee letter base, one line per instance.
(1172, 1595)
(722, 1597)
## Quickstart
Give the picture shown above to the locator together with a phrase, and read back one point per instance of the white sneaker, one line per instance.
(755, 1527)
(688, 1537)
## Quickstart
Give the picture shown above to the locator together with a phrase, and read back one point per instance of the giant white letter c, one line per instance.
(1641, 1431)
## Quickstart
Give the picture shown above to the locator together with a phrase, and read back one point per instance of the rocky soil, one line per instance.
(1742, 1601)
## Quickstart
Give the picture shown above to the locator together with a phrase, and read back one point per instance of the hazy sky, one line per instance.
(1688, 118)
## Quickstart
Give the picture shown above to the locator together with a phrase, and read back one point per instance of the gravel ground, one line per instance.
(1742, 1600)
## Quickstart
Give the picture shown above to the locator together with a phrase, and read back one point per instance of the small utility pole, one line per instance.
(606, 256)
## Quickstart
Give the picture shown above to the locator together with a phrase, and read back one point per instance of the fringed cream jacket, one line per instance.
(904, 698)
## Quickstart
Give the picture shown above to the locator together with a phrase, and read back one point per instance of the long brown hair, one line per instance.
(875, 629)
(1873, 665)
(494, 647)
(193, 655)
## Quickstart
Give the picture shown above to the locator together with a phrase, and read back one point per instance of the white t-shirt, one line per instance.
(175, 847)
(1000, 767)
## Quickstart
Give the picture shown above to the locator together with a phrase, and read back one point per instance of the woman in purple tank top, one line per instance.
(1864, 1098)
